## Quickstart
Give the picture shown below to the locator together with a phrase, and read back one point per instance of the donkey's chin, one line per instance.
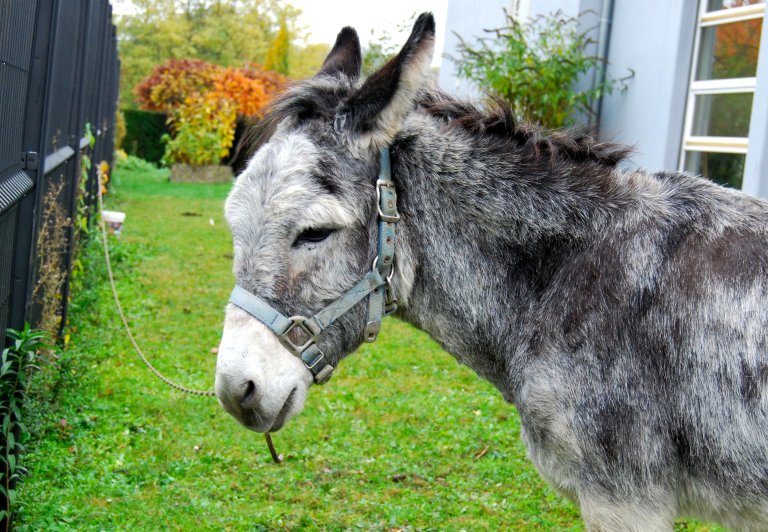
(259, 417)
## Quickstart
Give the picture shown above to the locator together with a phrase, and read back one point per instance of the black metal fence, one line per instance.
(58, 75)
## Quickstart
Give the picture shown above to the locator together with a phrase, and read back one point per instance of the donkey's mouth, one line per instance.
(282, 416)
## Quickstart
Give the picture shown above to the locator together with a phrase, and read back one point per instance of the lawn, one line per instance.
(401, 438)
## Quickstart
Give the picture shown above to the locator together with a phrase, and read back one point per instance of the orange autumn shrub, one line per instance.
(202, 102)
(272, 82)
(247, 95)
(169, 84)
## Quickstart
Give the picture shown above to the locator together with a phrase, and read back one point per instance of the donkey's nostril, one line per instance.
(250, 392)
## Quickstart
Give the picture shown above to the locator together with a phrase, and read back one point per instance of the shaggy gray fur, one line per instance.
(624, 313)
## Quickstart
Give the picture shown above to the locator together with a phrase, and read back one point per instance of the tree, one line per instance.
(305, 61)
(224, 32)
(278, 53)
(378, 52)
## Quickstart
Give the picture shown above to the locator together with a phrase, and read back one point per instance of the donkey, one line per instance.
(623, 312)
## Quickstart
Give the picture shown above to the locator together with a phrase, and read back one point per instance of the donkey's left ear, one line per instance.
(345, 57)
(375, 111)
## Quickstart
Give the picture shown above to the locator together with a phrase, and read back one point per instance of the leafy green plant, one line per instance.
(205, 130)
(17, 363)
(378, 52)
(83, 209)
(533, 66)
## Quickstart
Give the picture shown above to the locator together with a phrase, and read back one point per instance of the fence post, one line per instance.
(35, 140)
(77, 125)
(50, 88)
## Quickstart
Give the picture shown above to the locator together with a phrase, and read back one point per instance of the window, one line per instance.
(716, 135)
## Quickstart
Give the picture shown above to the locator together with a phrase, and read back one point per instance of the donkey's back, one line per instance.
(650, 398)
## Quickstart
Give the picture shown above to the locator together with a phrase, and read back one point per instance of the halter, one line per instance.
(376, 284)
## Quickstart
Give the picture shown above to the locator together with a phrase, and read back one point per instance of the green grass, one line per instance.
(402, 437)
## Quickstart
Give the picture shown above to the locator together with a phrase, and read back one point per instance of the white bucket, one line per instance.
(113, 220)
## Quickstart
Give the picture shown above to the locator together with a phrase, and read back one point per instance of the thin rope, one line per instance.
(278, 458)
(166, 380)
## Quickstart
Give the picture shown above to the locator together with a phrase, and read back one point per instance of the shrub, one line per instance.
(143, 133)
(205, 129)
(171, 83)
(15, 367)
(119, 129)
(202, 102)
(533, 66)
(271, 81)
(246, 94)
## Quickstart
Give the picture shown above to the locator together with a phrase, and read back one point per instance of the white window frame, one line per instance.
(738, 145)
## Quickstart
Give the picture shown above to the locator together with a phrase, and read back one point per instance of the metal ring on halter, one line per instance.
(391, 272)
(300, 322)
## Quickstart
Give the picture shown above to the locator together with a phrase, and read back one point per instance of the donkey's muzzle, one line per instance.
(243, 401)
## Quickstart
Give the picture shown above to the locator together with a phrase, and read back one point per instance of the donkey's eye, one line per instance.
(312, 236)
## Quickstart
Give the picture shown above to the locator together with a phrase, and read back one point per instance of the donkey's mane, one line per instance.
(496, 119)
(319, 97)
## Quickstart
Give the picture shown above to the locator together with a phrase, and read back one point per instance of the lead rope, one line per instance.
(204, 393)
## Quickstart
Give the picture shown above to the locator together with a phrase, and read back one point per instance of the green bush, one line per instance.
(15, 367)
(534, 67)
(144, 131)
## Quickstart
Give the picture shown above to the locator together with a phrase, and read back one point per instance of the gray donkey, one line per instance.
(624, 313)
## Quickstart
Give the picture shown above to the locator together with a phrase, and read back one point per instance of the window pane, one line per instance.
(715, 5)
(725, 168)
(722, 115)
(729, 50)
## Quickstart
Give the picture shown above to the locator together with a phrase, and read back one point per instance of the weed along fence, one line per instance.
(58, 79)
(58, 83)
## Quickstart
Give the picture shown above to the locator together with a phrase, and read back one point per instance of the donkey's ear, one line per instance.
(377, 109)
(345, 56)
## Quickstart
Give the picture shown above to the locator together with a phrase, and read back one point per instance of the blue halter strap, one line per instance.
(376, 285)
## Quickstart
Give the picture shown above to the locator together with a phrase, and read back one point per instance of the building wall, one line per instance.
(654, 39)
(468, 19)
(756, 165)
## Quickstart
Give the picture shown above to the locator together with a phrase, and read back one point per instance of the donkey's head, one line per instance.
(304, 220)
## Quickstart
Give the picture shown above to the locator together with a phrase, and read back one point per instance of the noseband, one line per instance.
(376, 284)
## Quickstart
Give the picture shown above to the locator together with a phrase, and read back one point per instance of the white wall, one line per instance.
(655, 40)
(756, 166)
(467, 18)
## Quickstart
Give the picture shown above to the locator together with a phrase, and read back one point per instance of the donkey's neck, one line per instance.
(483, 229)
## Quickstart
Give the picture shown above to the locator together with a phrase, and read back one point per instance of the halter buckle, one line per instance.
(389, 218)
(301, 323)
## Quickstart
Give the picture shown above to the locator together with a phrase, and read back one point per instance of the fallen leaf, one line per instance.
(481, 453)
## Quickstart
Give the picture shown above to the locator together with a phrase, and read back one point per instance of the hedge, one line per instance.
(143, 132)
